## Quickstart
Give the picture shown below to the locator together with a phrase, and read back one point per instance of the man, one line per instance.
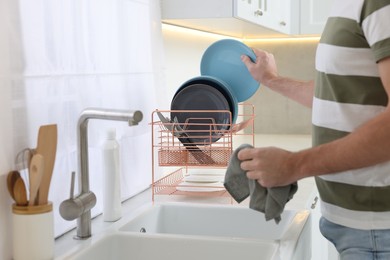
(350, 158)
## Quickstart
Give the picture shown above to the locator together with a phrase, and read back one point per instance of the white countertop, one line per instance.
(302, 199)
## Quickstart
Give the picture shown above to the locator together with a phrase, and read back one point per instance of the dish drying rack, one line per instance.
(182, 146)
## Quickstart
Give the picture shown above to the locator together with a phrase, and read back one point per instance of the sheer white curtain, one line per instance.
(59, 57)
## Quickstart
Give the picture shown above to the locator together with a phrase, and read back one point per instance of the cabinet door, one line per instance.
(276, 14)
(314, 14)
(273, 14)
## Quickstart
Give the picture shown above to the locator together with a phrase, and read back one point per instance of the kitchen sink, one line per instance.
(212, 221)
(130, 246)
(202, 231)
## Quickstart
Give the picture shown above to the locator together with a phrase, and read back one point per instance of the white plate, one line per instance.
(200, 187)
(208, 172)
(203, 178)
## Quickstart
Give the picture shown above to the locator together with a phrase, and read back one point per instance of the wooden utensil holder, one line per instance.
(33, 232)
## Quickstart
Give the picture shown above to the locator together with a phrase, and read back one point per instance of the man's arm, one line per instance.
(366, 146)
(264, 70)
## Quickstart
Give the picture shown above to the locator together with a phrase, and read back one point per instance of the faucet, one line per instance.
(80, 207)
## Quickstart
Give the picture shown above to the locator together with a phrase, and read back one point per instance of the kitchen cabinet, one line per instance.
(249, 18)
(314, 14)
(273, 14)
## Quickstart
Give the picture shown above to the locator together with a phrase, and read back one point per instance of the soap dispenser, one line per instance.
(112, 208)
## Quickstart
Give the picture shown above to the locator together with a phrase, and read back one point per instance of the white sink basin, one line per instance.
(210, 220)
(130, 246)
(190, 231)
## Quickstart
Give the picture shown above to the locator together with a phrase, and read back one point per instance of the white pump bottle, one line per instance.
(112, 207)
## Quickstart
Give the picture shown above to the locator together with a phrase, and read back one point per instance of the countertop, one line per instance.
(302, 199)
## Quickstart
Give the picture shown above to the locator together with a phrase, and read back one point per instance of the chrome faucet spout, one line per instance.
(80, 207)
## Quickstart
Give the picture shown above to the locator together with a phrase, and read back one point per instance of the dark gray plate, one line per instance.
(202, 127)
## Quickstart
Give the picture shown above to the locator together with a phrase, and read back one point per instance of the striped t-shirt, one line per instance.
(348, 93)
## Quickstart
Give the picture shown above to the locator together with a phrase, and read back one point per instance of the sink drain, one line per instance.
(142, 230)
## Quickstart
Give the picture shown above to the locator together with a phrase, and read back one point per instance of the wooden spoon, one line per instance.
(35, 176)
(20, 192)
(11, 179)
(47, 147)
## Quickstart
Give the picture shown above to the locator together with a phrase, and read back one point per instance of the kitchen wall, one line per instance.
(274, 114)
(56, 59)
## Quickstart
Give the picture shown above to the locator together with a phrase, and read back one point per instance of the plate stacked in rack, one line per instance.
(203, 111)
(203, 181)
(207, 106)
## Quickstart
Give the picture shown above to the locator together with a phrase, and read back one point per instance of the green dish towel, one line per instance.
(270, 201)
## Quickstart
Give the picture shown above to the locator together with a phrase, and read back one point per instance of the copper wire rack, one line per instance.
(197, 143)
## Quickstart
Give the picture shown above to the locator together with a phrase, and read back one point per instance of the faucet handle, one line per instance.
(71, 196)
(73, 208)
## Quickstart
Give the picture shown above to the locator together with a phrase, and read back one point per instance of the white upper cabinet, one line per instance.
(314, 14)
(249, 18)
(277, 15)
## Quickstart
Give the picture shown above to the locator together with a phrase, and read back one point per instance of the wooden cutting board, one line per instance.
(47, 147)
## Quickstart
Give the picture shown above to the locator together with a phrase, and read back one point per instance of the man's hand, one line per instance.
(264, 69)
(271, 166)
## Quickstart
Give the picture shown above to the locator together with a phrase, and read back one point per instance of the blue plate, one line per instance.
(222, 60)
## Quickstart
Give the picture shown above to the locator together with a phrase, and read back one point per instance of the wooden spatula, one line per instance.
(47, 147)
(35, 176)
